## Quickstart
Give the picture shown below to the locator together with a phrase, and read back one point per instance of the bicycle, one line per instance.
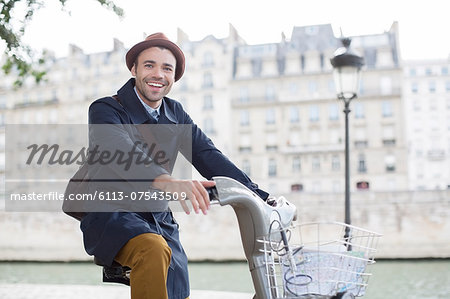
(287, 259)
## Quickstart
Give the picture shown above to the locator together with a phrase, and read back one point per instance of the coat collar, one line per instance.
(137, 112)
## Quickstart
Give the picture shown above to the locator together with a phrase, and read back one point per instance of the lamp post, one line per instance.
(347, 66)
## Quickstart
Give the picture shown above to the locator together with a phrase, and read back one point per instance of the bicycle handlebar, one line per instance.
(213, 193)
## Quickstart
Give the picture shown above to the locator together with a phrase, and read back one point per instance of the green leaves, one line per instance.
(19, 58)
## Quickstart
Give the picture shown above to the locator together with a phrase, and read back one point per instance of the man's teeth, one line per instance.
(155, 84)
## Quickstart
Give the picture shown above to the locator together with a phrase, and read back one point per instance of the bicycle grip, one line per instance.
(212, 192)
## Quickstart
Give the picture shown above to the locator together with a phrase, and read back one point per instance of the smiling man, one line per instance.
(154, 73)
(148, 241)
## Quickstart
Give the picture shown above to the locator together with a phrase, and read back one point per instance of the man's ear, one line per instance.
(133, 70)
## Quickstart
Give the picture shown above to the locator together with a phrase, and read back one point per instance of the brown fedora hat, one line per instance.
(157, 40)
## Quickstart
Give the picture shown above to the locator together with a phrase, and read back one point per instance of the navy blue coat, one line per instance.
(105, 234)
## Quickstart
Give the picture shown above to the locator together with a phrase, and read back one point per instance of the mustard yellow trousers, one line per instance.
(148, 255)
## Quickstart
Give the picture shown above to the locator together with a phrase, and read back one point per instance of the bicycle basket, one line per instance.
(320, 260)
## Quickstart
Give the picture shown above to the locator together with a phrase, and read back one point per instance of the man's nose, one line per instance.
(157, 73)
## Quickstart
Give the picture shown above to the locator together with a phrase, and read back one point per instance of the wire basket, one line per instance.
(318, 260)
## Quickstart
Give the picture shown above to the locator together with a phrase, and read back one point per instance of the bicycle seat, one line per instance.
(99, 262)
(115, 273)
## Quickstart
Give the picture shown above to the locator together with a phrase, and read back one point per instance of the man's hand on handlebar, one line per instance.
(195, 191)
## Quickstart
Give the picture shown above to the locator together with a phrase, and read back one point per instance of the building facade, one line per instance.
(273, 108)
(289, 126)
(204, 89)
(427, 110)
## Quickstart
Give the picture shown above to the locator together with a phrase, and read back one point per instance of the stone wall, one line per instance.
(413, 224)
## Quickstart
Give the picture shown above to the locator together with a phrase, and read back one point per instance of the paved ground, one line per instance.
(38, 291)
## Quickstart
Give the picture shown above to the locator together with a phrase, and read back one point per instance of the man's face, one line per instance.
(155, 73)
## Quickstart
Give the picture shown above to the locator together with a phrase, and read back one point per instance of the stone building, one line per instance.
(426, 95)
(288, 125)
(271, 107)
(204, 89)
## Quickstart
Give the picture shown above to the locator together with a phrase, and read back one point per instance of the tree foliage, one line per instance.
(19, 57)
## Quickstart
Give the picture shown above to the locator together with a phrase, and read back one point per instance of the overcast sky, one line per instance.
(424, 25)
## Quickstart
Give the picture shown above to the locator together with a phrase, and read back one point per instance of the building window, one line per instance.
(362, 185)
(331, 86)
(335, 163)
(302, 63)
(208, 80)
(386, 109)
(71, 92)
(362, 163)
(360, 137)
(359, 110)
(336, 186)
(272, 168)
(281, 64)
(388, 135)
(433, 104)
(244, 118)
(312, 87)
(208, 125)
(270, 93)
(245, 149)
(246, 167)
(293, 88)
(245, 145)
(294, 114)
(361, 143)
(428, 71)
(412, 72)
(296, 187)
(314, 136)
(447, 86)
(2, 101)
(270, 116)
(315, 163)
(322, 61)
(333, 112)
(432, 86)
(208, 102)
(370, 57)
(53, 116)
(334, 135)
(244, 95)
(316, 187)
(296, 164)
(294, 139)
(314, 113)
(389, 161)
(256, 67)
(208, 59)
(389, 142)
(414, 87)
(271, 142)
(386, 85)
(361, 87)
(444, 70)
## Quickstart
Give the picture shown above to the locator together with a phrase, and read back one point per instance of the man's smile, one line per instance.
(155, 84)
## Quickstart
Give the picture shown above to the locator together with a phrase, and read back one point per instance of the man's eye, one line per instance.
(148, 65)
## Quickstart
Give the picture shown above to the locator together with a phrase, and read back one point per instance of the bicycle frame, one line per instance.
(255, 218)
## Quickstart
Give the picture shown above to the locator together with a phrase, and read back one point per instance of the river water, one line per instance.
(408, 279)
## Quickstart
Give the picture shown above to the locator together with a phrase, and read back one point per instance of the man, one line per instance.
(148, 241)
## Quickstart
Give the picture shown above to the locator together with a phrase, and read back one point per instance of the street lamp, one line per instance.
(347, 66)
